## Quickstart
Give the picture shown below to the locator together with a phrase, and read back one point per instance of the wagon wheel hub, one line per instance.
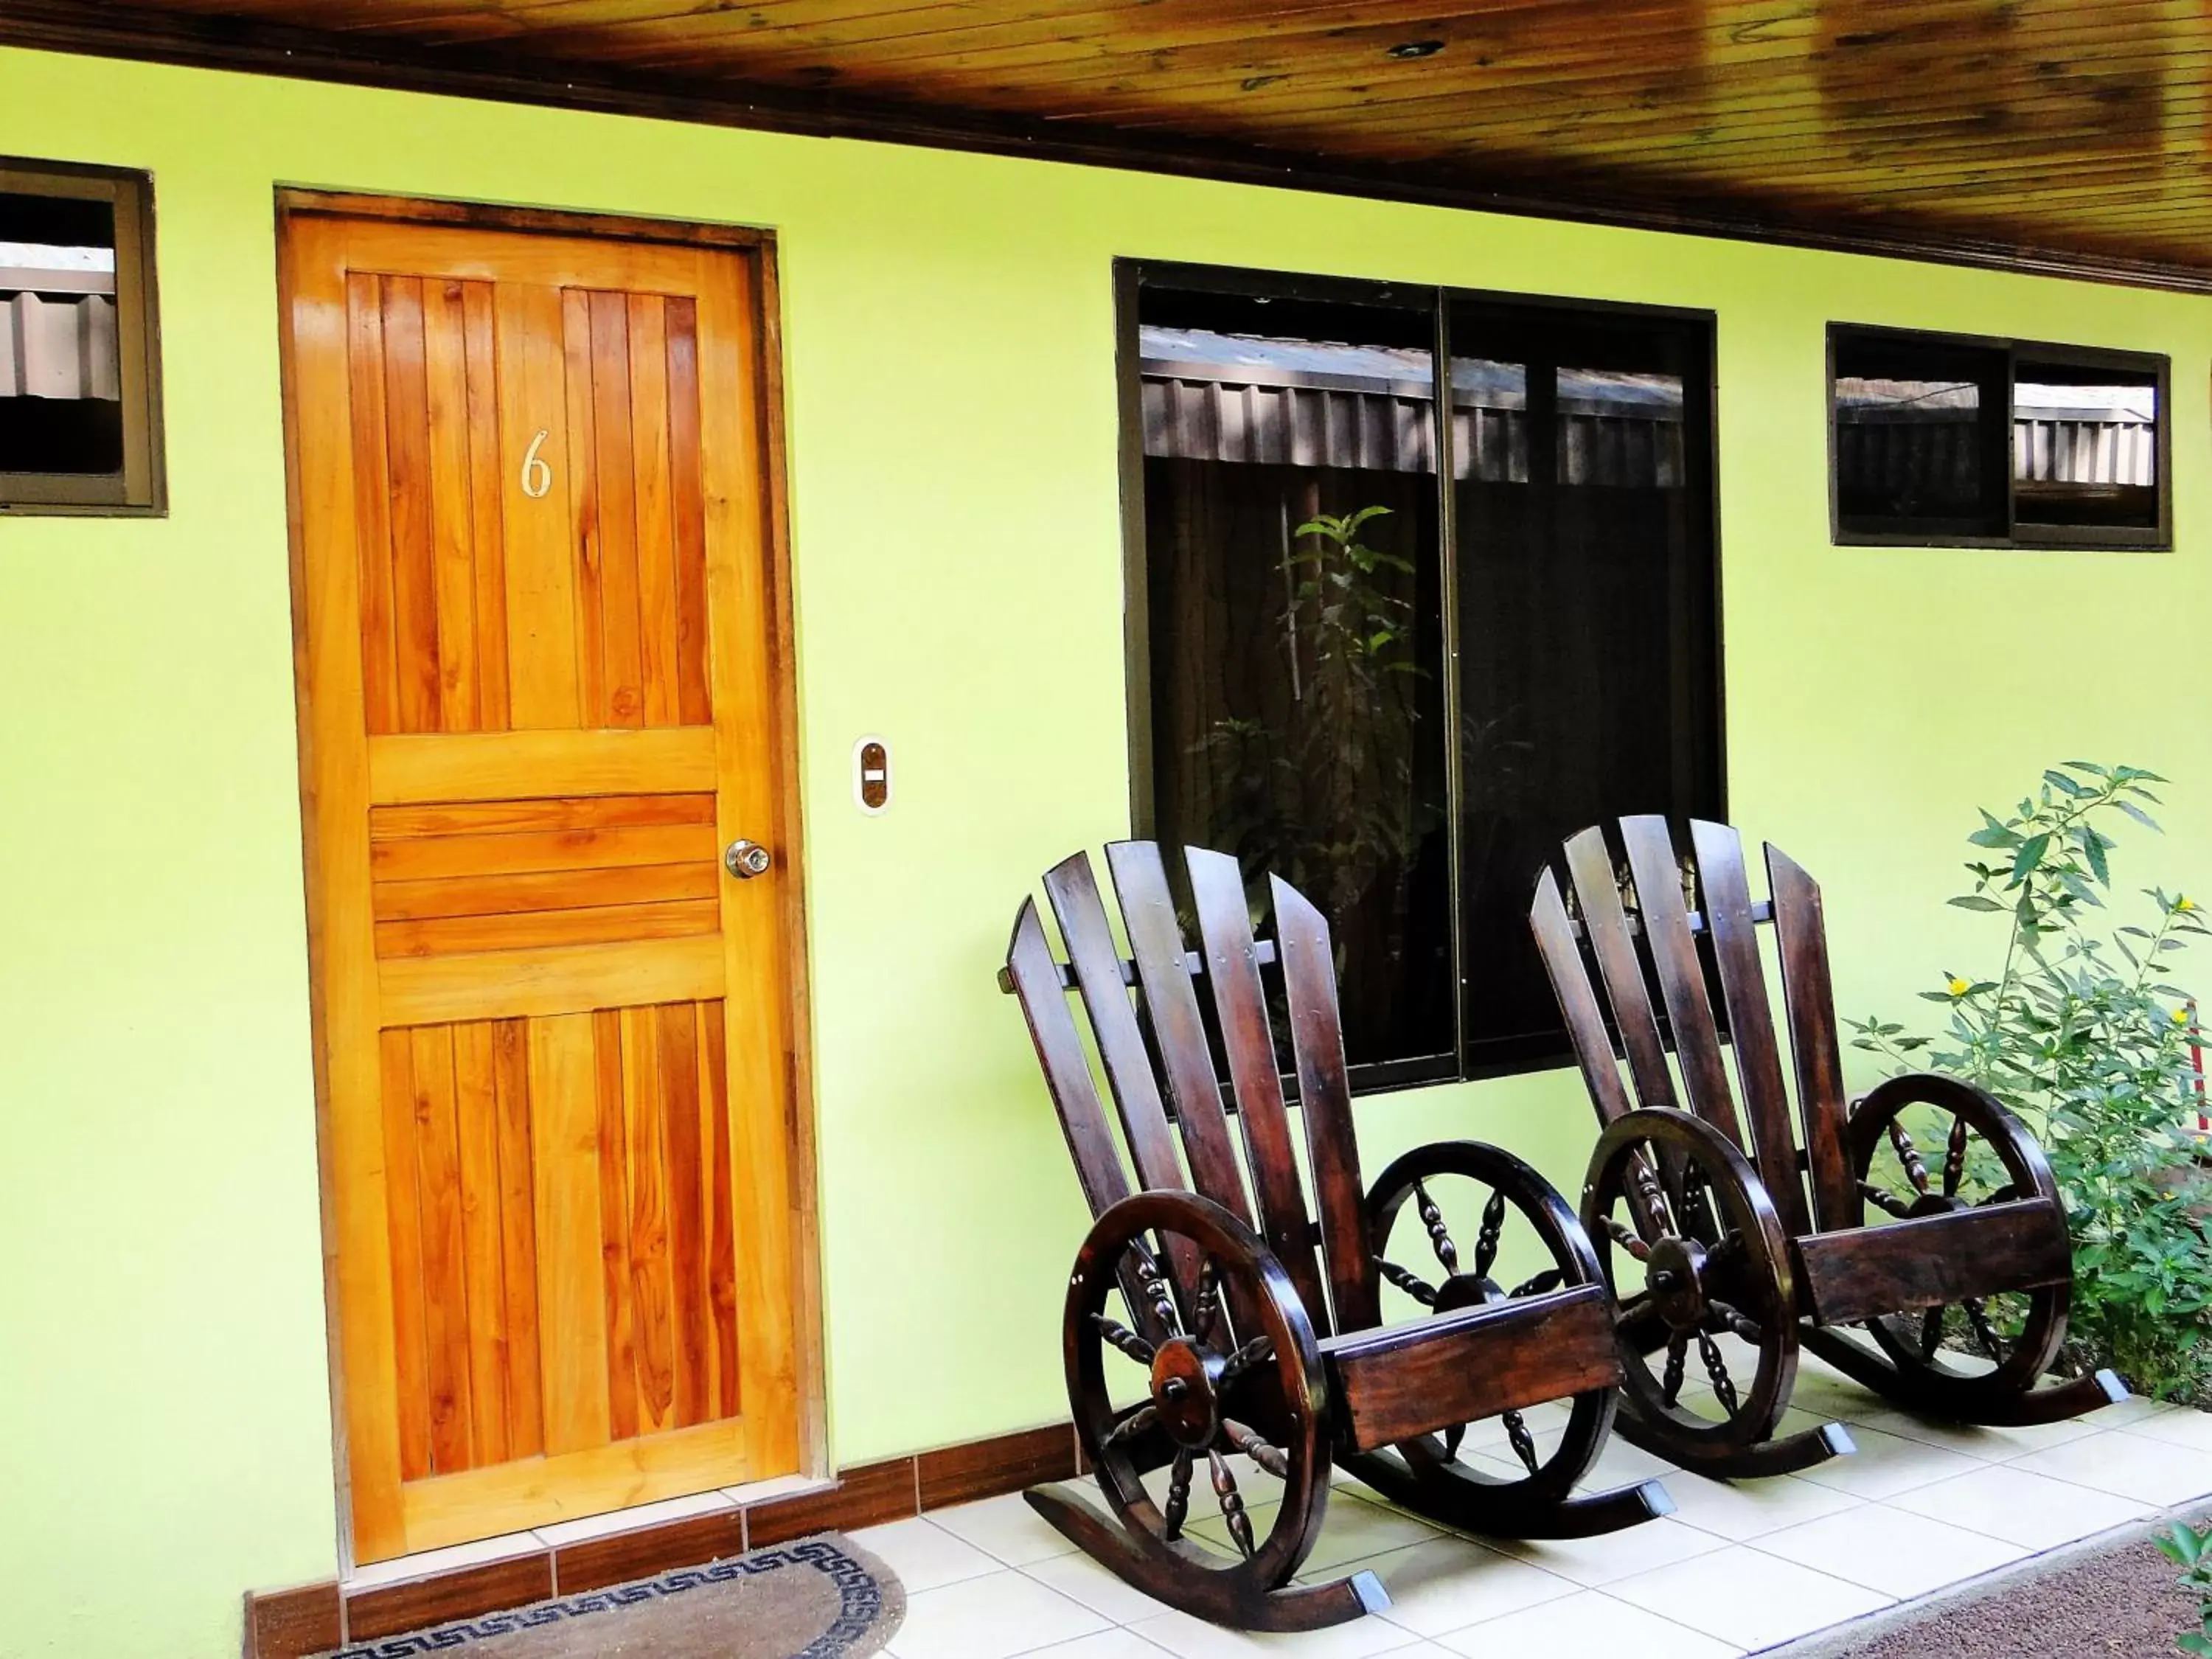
(1186, 1387)
(1675, 1277)
(1467, 1291)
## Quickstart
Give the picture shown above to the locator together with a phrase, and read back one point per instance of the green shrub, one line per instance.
(2191, 1550)
(2085, 1035)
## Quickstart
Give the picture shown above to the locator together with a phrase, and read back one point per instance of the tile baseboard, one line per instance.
(308, 1618)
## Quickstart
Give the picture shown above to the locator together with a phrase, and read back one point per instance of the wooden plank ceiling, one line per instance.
(2062, 126)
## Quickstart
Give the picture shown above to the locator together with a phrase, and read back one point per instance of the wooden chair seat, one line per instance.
(1749, 1220)
(1257, 1321)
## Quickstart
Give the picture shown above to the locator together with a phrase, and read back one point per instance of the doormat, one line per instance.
(822, 1598)
(2108, 1597)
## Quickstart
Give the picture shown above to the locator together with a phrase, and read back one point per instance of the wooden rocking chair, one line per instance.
(1964, 1292)
(1242, 1336)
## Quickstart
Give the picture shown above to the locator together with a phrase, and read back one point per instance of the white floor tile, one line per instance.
(1889, 1550)
(924, 1556)
(1745, 1510)
(2128, 1411)
(1450, 1582)
(1194, 1639)
(1743, 1597)
(2129, 1464)
(1549, 1418)
(2019, 1506)
(991, 1617)
(1079, 1578)
(1254, 1485)
(1593, 1561)
(642, 1515)
(423, 1563)
(1006, 1527)
(2180, 1427)
(1991, 1445)
(1585, 1625)
(1106, 1644)
(1351, 1528)
(1886, 1464)
(1619, 1464)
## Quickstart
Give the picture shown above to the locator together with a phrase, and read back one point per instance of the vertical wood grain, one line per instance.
(486, 520)
(651, 1316)
(407, 458)
(452, 515)
(656, 536)
(404, 1211)
(588, 534)
(624, 703)
(721, 1247)
(445, 1287)
(678, 1032)
(621, 1343)
(687, 500)
(525, 1423)
(572, 1323)
(372, 503)
(476, 1107)
(539, 549)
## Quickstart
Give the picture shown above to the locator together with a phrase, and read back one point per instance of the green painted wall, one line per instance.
(162, 1372)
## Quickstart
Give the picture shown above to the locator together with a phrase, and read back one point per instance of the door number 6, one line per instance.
(537, 475)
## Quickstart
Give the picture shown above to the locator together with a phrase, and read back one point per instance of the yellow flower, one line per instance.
(2180, 1016)
(1957, 987)
(2184, 906)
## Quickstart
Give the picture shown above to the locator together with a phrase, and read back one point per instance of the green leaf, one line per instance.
(2093, 848)
(2065, 784)
(2138, 815)
(1976, 901)
(2030, 855)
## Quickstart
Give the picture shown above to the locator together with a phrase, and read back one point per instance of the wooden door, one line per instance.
(539, 697)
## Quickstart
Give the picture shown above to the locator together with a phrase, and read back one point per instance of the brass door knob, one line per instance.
(746, 858)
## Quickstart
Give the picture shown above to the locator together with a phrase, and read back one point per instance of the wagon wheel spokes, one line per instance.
(1647, 1199)
(1152, 1276)
(1268, 1457)
(1206, 1306)
(1716, 1372)
(1678, 1353)
(1977, 1317)
(1524, 1443)
(1628, 1240)
(1132, 1425)
(1257, 1351)
(1232, 1503)
(1550, 1279)
(1413, 1283)
(1486, 1243)
(1954, 1158)
(1440, 1239)
(1178, 1504)
(1737, 1321)
(1126, 1341)
(1885, 1200)
(1909, 1156)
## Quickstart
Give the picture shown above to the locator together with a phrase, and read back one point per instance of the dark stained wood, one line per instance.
(292, 1624)
(1066, 1068)
(2031, 138)
(1396, 1382)
(1562, 952)
(1801, 930)
(595, 1563)
(865, 1497)
(1605, 926)
(1931, 1260)
(1325, 1105)
(1725, 904)
(986, 1468)
(1666, 922)
(464, 1592)
(1240, 1002)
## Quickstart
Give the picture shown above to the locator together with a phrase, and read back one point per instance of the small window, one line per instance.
(79, 423)
(1943, 441)
(1395, 644)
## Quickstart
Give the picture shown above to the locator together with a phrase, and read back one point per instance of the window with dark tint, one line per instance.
(1942, 440)
(76, 421)
(1306, 573)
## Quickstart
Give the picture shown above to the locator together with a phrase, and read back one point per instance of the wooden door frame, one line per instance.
(296, 203)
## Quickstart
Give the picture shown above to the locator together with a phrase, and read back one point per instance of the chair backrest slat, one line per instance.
(1727, 907)
(1140, 882)
(1563, 960)
(1302, 945)
(1589, 865)
(1096, 961)
(1067, 1067)
(1802, 933)
(1239, 1003)
(1674, 950)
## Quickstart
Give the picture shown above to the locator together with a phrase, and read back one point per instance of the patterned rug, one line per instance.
(821, 1598)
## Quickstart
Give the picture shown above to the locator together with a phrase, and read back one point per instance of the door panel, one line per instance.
(537, 699)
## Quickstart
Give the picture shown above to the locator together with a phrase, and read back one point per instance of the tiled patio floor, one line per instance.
(1736, 1570)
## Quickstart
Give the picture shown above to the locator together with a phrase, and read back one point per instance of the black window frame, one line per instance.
(1508, 1057)
(2157, 539)
(140, 487)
